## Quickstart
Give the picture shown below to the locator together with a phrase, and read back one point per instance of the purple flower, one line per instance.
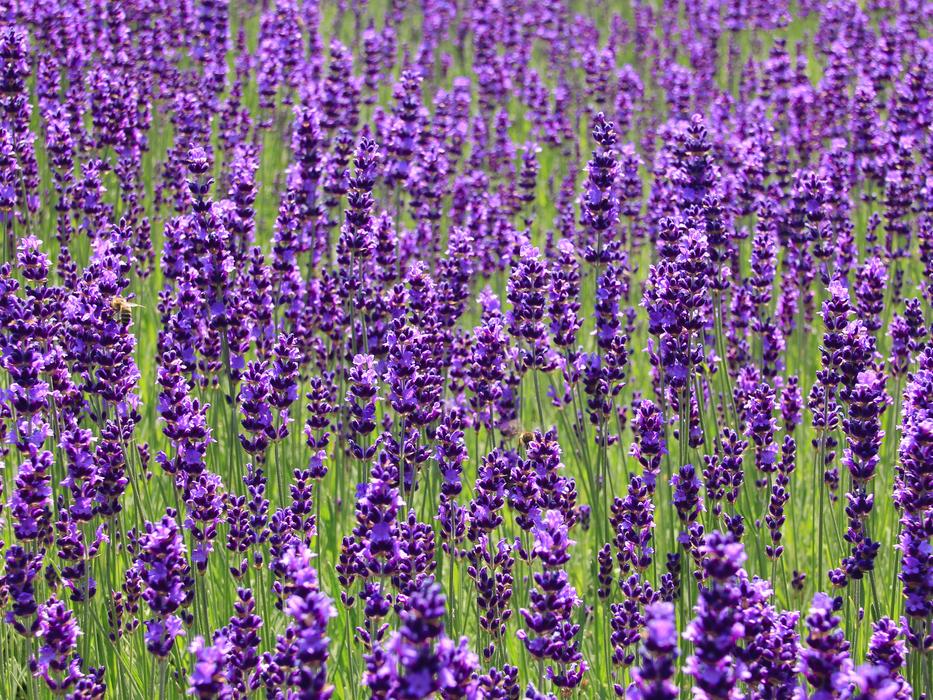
(320, 407)
(356, 244)
(551, 630)
(243, 636)
(871, 281)
(791, 404)
(653, 679)
(825, 661)
(419, 660)
(31, 504)
(57, 661)
(168, 586)
(686, 498)
(650, 446)
(888, 652)
(491, 569)
(204, 501)
(780, 494)
(867, 401)
(361, 402)
(695, 169)
(376, 535)
(564, 305)
(632, 519)
(20, 571)
(185, 421)
(486, 370)
(206, 679)
(599, 206)
(528, 293)
(873, 683)
(310, 611)
(76, 552)
(760, 428)
(500, 684)
(914, 497)
(255, 406)
(401, 146)
(716, 664)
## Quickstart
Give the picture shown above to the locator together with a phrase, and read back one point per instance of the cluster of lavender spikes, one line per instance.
(466, 349)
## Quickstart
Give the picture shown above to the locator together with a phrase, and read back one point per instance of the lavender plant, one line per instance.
(612, 323)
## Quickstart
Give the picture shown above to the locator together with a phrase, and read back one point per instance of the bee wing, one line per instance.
(509, 428)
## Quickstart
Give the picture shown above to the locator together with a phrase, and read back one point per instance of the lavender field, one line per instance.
(484, 349)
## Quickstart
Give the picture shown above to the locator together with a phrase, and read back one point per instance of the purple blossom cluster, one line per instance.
(486, 350)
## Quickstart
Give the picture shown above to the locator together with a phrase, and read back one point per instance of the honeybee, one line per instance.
(512, 429)
(122, 309)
